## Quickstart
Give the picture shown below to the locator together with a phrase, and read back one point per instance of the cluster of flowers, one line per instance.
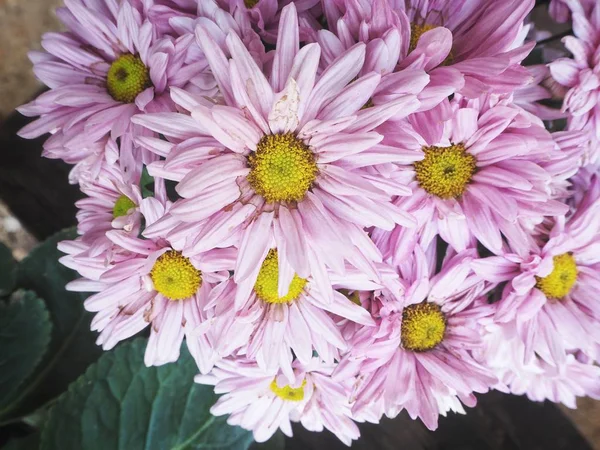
(346, 208)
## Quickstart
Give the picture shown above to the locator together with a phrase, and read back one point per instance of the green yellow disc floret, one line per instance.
(127, 77)
(282, 169)
(288, 393)
(561, 280)
(266, 286)
(175, 277)
(423, 326)
(445, 171)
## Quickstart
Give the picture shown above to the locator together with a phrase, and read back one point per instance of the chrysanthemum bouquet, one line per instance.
(345, 208)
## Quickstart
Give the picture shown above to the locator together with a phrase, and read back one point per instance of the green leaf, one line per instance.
(121, 404)
(7, 271)
(146, 183)
(72, 347)
(24, 336)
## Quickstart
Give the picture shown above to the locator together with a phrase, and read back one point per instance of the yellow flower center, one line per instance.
(251, 3)
(268, 281)
(562, 279)
(288, 393)
(416, 31)
(445, 171)
(423, 326)
(122, 206)
(282, 169)
(175, 277)
(127, 77)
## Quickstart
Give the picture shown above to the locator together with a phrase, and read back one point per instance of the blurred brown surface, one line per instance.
(14, 235)
(22, 23)
(587, 419)
(21, 26)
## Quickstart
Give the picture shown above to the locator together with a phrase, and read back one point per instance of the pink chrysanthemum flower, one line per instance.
(561, 10)
(272, 323)
(581, 74)
(551, 294)
(538, 89)
(218, 23)
(265, 15)
(111, 65)
(504, 353)
(476, 38)
(272, 164)
(161, 12)
(112, 202)
(566, 164)
(474, 173)
(365, 299)
(371, 22)
(380, 28)
(264, 402)
(149, 282)
(88, 160)
(581, 183)
(419, 356)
